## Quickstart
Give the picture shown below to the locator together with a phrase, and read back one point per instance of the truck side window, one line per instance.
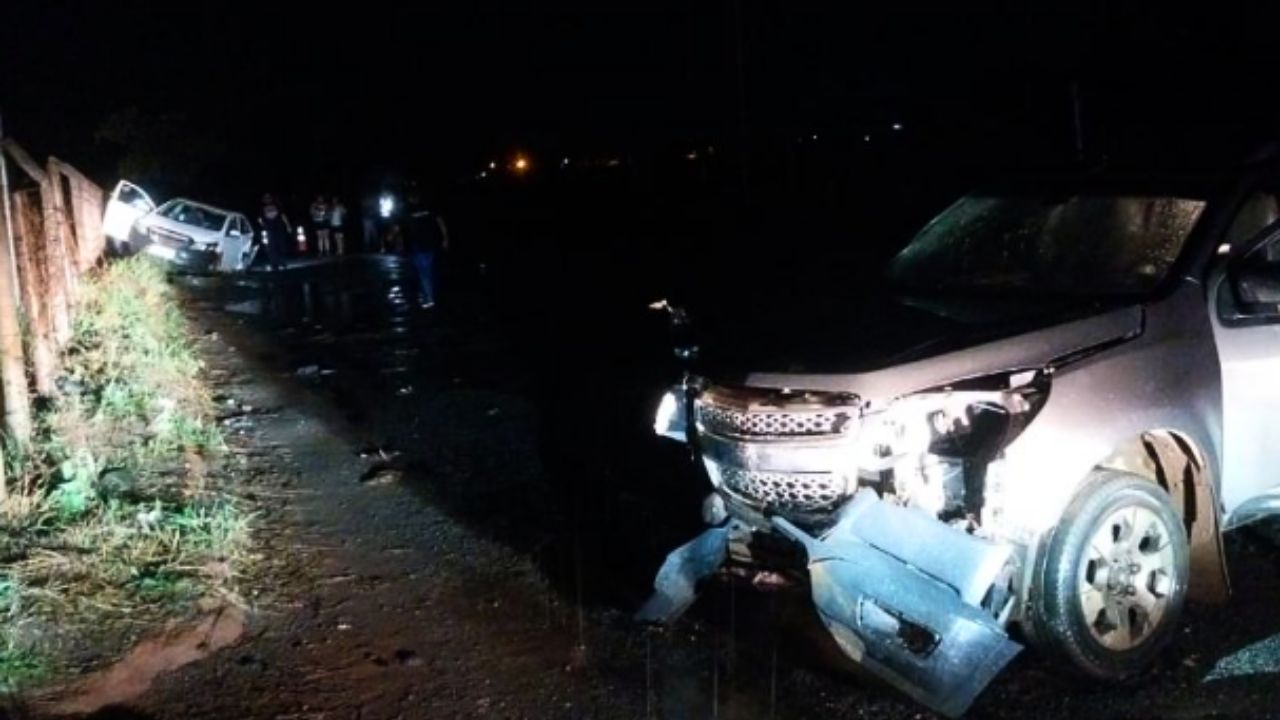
(1259, 211)
(1266, 257)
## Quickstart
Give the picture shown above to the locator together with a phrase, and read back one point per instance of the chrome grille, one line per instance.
(168, 238)
(785, 491)
(740, 423)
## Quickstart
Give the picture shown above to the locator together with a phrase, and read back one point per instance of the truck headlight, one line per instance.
(934, 447)
(959, 423)
(672, 418)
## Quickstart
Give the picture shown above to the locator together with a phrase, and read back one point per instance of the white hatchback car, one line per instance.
(188, 234)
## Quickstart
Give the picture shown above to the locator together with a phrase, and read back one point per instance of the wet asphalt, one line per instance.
(565, 471)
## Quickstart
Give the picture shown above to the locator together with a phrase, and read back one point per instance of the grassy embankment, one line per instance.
(113, 523)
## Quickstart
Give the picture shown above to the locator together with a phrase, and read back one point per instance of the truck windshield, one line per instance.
(1090, 245)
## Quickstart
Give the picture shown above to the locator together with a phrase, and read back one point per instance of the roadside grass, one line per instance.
(112, 520)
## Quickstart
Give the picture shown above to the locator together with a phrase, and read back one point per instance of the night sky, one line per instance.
(251, 96)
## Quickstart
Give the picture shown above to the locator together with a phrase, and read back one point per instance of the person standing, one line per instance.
(369, 225)
(337, 224)
(425, 237)
(275, 232)
(320, 225)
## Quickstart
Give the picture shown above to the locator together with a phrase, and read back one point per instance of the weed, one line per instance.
(74, 496)
(104, 523)
(19, 669)
(159, 585)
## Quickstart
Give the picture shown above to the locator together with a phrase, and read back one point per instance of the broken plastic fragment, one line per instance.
(675, 587)
(907, 627)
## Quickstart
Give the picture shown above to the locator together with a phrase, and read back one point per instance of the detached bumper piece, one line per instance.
(676, 586)
(912, 600)
(874, 584)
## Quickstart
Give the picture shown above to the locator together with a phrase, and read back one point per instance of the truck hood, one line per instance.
(902, 345)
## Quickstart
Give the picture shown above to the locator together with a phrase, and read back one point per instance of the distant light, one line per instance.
(691, 155)
(386, 206)
(564, 161)
(521, 163)
(866, 138)
(493, 165)
(484, 174)
(814, 136)
(614, 162)
(1224, 249)
(897, 126)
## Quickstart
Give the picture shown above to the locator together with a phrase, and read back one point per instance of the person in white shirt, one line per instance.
(337, 223)
(320, 222)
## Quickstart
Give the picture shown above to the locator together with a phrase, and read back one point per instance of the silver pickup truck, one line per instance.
(1042, 435)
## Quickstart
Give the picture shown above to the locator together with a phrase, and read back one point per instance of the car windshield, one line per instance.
(1090, 245)
(201, 217)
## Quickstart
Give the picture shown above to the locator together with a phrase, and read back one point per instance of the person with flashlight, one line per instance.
(275, 232)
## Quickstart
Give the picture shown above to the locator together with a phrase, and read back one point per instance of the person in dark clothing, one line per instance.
(275, 232)
(425, 237)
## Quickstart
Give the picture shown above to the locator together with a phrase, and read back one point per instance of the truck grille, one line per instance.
(785, 491)
(740, 423)
(168, 238)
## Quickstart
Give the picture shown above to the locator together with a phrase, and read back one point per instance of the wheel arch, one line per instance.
(1173, 461)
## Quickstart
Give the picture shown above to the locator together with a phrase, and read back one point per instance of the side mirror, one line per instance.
(1258, 288)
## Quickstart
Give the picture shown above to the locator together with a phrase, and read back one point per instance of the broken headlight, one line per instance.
(933, 448)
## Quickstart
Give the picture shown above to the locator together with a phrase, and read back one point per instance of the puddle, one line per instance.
(132, 675)
(246, 307)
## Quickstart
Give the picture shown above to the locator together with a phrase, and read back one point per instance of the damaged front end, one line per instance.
(896, 505)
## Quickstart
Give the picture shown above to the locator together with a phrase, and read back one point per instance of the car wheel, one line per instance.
(1114, 578)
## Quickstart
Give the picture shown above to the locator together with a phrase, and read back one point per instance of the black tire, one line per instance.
(1058, 622)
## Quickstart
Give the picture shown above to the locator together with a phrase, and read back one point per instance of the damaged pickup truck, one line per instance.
(1065, 400)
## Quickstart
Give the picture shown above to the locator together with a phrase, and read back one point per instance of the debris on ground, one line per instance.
(382, 474)
(380, 452)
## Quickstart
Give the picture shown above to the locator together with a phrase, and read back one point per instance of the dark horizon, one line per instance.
(247, 98)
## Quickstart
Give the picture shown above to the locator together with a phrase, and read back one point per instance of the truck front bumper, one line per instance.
(912, 600)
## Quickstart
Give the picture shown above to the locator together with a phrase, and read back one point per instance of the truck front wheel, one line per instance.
(1114, 579)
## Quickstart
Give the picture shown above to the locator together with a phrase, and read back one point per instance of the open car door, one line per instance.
(128, 202)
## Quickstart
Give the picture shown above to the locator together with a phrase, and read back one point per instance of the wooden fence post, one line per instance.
(52, 257)
(59, 274)
(86, 206)
(31, 269)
